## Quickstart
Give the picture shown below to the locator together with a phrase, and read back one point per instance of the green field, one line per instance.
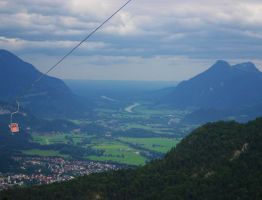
(39, 152)
(114, 151)
(118, 152)
(161, 145)
(61, 138)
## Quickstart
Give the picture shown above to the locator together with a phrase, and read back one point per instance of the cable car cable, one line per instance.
(64, 57)
(72, 50)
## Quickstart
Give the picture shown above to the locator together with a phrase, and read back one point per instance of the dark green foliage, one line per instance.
(7, 164)
(220, 160)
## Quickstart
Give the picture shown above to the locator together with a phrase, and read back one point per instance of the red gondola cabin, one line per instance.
(14, 128)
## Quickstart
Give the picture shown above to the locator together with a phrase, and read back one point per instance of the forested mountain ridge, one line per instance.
(219, 160)
(49, 97)
(222, 86)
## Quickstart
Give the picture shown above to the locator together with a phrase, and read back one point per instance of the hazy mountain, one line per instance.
(222, 86)
(216, 161)
(49, 97)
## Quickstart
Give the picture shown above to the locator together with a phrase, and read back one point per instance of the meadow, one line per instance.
(118, 152)
(40, 152)
(59, 138)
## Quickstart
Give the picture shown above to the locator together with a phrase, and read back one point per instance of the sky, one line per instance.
(169, 40)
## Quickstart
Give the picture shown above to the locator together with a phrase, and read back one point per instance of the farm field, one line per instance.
(118, 135)
(62, 138)
(124, 150)
(39, 152)
(118, 152)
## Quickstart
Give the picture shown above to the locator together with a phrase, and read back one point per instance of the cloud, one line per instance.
(203, 31)
(20, 44)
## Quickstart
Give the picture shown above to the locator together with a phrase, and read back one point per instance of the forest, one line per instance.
(220, 160)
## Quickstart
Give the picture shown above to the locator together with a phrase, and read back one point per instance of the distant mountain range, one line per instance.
(222, 86)
(221, 92)
(216, 161)
(50, 97)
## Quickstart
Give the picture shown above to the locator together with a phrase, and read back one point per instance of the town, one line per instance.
(47, 170)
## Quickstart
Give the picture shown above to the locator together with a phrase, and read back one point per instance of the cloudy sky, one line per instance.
(148, 40)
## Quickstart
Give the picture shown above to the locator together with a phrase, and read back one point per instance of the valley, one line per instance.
(124, 129)
(85, 127)
(130, 100)
(118, 136)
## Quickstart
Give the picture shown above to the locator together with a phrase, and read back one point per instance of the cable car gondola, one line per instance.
(14, 127)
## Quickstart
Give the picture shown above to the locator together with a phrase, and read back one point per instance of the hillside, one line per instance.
(222, 86)
(50, 97)
(220, 160)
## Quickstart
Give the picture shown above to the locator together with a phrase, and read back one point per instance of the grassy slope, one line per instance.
(211, 163)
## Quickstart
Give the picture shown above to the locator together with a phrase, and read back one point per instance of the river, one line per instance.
(131, 107)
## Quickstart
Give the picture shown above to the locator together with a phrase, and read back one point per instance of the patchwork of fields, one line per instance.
(118, 136)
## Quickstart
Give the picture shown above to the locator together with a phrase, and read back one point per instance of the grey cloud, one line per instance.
(204, 30)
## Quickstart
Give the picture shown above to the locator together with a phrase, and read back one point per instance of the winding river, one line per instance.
(131, 107)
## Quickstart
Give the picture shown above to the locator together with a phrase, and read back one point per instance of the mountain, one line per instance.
(219, 160)
(50, 97)
(222, 86)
